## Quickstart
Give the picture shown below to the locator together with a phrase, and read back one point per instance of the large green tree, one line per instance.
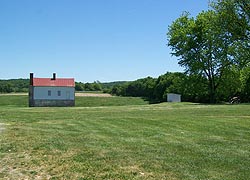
(202, 47)
(215, 44)
(234, 16)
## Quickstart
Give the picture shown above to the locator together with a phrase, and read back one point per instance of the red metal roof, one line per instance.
(63, 82)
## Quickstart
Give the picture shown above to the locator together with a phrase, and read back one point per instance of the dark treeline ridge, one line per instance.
(193, 88)
(14, 85)
(22, 85)
(98, 86)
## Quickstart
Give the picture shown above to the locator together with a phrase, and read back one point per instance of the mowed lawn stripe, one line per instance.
(161, 141)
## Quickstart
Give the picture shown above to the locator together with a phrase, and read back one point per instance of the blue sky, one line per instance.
(105, 40)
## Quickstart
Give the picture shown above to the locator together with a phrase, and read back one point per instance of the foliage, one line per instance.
(245, 84)
(191, 87)
(140, 88)
(95, 86)
(109, 85)
(214, 44)
(14, 85)
(235, 18)
(22, 85)
(200, 48)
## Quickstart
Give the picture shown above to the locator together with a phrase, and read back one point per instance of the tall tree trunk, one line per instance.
(212, 90)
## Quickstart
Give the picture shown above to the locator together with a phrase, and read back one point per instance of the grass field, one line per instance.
(124, 138)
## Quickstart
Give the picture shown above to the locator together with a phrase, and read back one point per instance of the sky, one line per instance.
(89, 40)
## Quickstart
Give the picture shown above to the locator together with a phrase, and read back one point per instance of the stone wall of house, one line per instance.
(52, 103)
(31, 96)
(48, 102)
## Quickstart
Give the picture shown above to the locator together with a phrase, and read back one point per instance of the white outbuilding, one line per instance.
(51, 91)
(171, 97)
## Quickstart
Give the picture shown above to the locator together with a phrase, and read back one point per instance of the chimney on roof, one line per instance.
(54, 76)
(31, 79)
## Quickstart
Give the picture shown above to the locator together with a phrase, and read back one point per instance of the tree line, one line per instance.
(22, 85)
(215, 45)
(193, 88)
(14, 85)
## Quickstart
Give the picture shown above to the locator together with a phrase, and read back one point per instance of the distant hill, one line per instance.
(98, 86)
(14, 85)
(112, 84)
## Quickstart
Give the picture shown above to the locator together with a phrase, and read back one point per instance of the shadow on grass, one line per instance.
(151, 101)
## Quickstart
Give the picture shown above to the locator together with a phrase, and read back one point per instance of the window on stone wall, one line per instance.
(59, 93)
(49, 92)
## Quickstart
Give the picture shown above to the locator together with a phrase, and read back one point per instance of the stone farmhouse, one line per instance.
(53, 91)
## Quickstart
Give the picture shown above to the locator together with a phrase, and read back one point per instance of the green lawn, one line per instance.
(115, 140)
(22, 101)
